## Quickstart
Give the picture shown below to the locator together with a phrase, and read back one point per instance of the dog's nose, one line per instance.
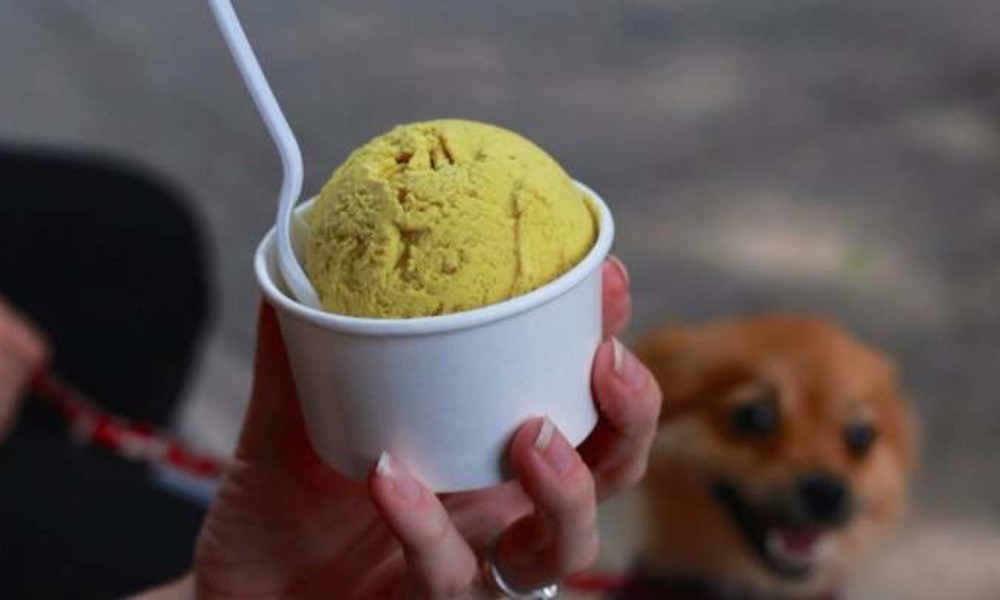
(826, 497)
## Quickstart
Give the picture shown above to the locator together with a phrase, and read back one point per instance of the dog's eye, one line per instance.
(756, 418)
(859, 438)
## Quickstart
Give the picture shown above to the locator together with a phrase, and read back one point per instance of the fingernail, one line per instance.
(618, 264)
(544, 436)
(383, 468)
(553, 447)
(404, 486)
(619, 356)
(626, 366)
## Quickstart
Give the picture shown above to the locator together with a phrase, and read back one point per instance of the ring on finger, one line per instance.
(496, 582)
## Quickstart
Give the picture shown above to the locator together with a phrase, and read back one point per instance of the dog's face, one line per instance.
(783, 456)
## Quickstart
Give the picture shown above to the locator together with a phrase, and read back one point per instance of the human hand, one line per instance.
(23, 352)
(283, 524)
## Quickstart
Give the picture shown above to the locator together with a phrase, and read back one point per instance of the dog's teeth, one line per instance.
(774, 545)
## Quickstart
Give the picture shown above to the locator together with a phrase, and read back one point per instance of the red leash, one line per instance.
(128, 439)
(143, 443)
(595, 581)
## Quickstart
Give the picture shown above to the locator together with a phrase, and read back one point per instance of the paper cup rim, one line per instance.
(453, 321)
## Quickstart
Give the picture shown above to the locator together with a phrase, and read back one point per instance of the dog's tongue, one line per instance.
(798, 541)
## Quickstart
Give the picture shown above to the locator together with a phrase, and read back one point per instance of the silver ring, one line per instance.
(499, 585)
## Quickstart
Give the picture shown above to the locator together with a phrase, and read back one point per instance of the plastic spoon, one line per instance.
(291, 230)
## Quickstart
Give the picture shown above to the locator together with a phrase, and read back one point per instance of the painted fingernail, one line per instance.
(553, 447)
(626, 366)
(620, 266)
(404, 486)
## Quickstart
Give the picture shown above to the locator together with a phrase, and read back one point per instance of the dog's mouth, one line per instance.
(787, 546)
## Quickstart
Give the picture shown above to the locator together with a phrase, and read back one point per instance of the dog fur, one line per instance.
(713, 462)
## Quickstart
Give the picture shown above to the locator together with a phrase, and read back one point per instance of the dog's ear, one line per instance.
(670, 354)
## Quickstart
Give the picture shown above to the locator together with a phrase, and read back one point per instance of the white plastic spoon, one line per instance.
(290, 228)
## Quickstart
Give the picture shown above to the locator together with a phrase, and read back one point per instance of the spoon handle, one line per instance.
(284, 140)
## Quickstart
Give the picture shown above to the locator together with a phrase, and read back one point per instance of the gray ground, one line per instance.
(834, 156)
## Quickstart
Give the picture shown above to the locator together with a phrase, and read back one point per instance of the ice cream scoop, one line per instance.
(442, 216)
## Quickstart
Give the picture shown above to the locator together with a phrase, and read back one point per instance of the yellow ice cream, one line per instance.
(443, 216)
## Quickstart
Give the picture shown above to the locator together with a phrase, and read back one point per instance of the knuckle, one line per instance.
(579, 492)
(644, 408)
(634, 412)
(437, 530)
(623, 477)
(632, 475)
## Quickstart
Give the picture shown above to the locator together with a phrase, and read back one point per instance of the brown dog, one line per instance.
(783, 457)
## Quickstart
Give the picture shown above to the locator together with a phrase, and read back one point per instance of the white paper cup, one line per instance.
(445, 394)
